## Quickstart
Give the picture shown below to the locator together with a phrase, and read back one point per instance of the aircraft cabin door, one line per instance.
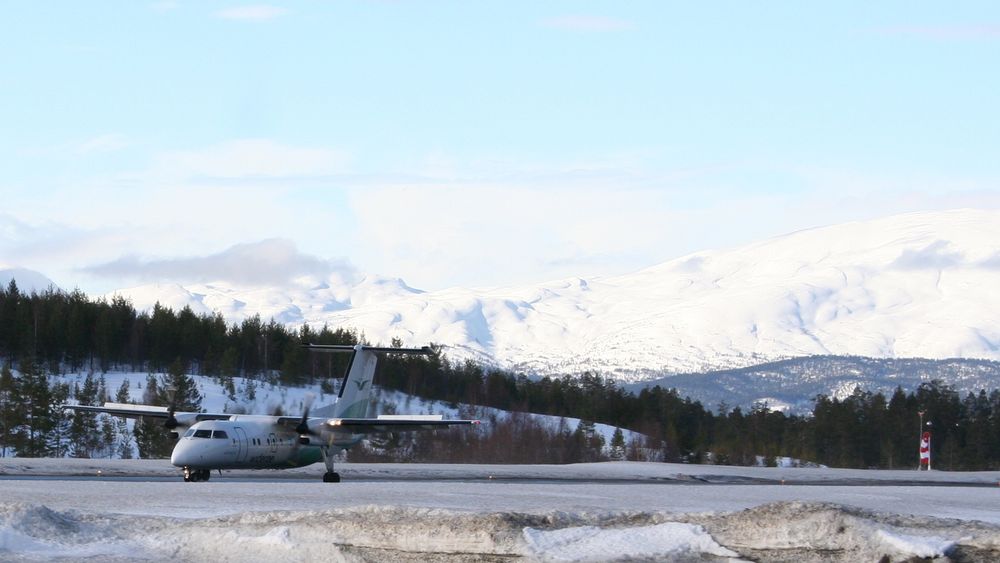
(241, 454)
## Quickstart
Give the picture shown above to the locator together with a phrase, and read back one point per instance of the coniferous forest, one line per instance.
(57, 332)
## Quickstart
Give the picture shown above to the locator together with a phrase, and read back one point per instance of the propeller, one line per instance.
(303, 426)
(171, 421)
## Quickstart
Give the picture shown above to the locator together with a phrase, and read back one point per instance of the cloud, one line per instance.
(991, 263)
(487, 234)
(268, 262)
(945, 32)
(251, 158)
(593, 24)
(251, 13)
(934, 256)
(103, 143)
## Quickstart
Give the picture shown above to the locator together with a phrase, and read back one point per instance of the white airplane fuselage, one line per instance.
(247, 442)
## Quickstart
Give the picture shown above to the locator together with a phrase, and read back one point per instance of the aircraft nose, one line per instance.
(184, 454)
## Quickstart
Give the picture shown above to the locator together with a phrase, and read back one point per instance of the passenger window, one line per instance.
(220, 434)
(203, 434)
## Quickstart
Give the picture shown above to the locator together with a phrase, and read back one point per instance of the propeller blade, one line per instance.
(171, 421)
(303, 426)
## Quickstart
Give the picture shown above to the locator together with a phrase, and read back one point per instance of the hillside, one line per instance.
(793, 384)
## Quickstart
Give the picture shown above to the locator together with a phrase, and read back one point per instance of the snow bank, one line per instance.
(782, 531)
(846, 533)
(33, 532)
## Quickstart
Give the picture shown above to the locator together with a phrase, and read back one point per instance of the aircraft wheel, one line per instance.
(331, 477)
(206, 474)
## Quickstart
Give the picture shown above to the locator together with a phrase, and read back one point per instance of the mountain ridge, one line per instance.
(912, 285)
(792, 384)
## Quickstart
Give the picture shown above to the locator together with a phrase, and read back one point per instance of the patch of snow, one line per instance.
(915, 546)
(589, 543)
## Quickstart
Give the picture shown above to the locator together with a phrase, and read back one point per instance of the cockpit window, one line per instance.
(189, 433)
(219, 434)
(203, 434)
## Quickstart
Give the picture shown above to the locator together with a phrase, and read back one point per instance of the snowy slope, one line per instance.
(914, 285)
(28, 281)
(269, 398)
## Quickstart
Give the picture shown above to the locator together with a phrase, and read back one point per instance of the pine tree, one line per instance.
(123, 438)
(108, 433)
(151, 438)
(179, 389)
(57, 436)
(84, 436)
(36, 400)
(11, 409)
(617, 445)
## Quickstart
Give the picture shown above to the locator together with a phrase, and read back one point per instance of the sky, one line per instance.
(456, 143)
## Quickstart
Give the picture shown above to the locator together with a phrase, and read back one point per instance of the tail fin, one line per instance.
(356, 388)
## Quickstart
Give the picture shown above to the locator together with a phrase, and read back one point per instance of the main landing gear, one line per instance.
(330, 476)
(196, 475)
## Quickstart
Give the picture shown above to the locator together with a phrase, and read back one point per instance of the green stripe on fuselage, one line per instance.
(306, 456)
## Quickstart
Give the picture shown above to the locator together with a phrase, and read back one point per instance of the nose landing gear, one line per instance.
(196, 474)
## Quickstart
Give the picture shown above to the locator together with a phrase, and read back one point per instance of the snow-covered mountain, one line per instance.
(27, 281)
(792, 385)
(914, 285)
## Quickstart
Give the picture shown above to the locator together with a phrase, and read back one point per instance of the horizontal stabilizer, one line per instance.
(333, 348)
(399, 424)
(410, 417)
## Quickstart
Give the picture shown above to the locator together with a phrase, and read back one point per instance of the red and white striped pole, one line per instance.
(920, 436)
(925, 450)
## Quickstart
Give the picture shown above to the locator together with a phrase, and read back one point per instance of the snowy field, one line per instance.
(588, 512)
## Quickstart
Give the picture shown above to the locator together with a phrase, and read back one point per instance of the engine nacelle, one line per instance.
(309, 441)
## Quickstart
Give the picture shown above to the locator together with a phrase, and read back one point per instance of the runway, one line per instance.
(108, 485)
(244, 477)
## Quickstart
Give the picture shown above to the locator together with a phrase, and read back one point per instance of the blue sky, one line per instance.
(476, 143)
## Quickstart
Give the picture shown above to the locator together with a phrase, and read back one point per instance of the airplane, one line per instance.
(238, 441)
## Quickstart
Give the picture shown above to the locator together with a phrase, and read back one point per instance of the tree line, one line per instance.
(862, 430)
(55, 332)
(67, 332)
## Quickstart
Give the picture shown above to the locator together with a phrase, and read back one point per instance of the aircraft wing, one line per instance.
(389, 423)
(383, 423)
(126, 410)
